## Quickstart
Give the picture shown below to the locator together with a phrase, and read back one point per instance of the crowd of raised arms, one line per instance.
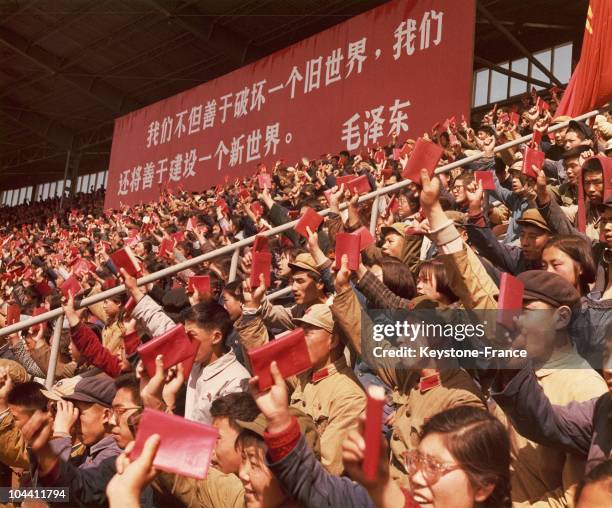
(495, 432)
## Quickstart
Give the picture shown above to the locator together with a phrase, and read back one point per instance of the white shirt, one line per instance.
(209, 382)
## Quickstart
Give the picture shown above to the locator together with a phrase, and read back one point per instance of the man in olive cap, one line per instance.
(308, 289)
(329, 393)
(540, 472)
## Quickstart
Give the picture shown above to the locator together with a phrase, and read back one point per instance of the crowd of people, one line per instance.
(531, 431)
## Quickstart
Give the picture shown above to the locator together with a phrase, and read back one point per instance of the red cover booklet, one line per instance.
(365, 237)
(488, 183)
(310, 219)
(373, 430)
(199, 282)
(359, 185)
(348, 243)
(13, 314)
(260, 244)
(262, 264)
(126, 259)
(532, 157)
(185, 447)
(510, 300)
(174, 345)
(129, 307)
(71, 286)
(424, 156)
(289, 350)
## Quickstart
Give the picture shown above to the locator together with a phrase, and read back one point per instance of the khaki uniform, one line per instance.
(217, 490)
(418, 399)
(13, 451)
(332, 396)
(549, 474)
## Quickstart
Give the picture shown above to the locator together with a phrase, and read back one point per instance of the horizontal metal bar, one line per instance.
(171, 270)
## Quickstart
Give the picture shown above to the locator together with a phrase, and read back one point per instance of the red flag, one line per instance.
(591, 82)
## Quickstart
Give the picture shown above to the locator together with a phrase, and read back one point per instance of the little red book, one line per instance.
(13, 314)
(510, 300)
(43, 289)
(166, 247)
(348, 243)
(365, 237)
(175, 347)
(262, 264)
(199, 282)
(344, 180)
(37, 312)
(359, 185)
(542, 105)
(393, 205)
(406, 150)
(256, 208)
(373, 430)
(185, 446)
(532, 157)
(380, 156)
(71, 286)
(260, 244)
(536, 139)
(264, 181)
(179, 236)
(290, 352)
(310, 219)
(514, 118)
(486, 177)
(425, 155)
(126, 259)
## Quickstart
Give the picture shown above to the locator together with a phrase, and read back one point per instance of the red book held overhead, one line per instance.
(514, 118)
(359, 185)
(264, 181)
(424, 156)
(532, 157)
(290, 352)
(185, 447)
(348, 244)
(71, 286)
(262, 264)
(43, 289)
(486, 177)
(510, 300)
(365, 237)
(126, 259)
(380, 156)
(310, 219)
(175, 347)
(260, 244)
(199, 282)
(13, 314)
(373, 430)
(166, 247)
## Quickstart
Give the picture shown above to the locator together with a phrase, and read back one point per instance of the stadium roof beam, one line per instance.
(45, 127)
(97, 89)
(526, 53)
(508, 72)
(219, 37)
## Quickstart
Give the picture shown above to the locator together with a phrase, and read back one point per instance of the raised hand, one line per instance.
(430, 191)
(133, 476)
(65, 417)
(273, 403)
(343, 276)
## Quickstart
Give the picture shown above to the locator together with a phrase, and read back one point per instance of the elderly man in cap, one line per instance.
(541, 473)
(329, 392)
(85, 413)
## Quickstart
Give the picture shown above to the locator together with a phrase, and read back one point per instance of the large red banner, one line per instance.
(395, 70)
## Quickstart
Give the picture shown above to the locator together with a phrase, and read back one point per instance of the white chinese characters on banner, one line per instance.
(372, 123)
(364, 128)
(405, 34)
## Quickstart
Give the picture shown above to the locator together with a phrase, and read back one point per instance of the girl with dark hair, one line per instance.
(463, 460)
(433, 283)
(570, 257)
